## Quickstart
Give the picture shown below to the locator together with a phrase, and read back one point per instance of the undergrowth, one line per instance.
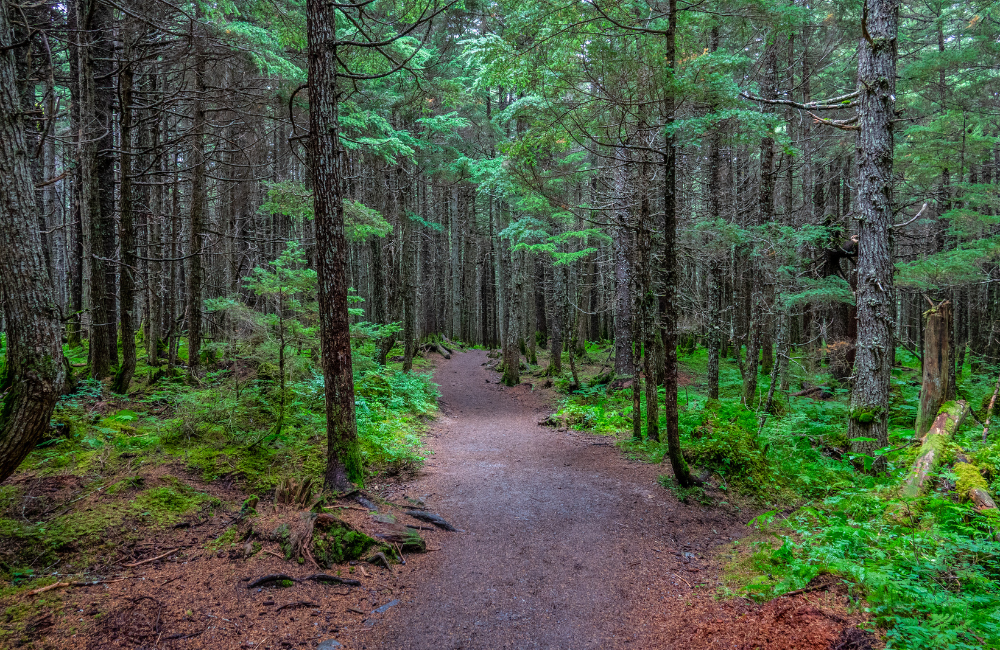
(117, 467)
(927, 571)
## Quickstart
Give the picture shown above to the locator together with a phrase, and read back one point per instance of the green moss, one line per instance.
(866, 415)
(969, 478)
(339, 544)
(226, 540)
(165, 505)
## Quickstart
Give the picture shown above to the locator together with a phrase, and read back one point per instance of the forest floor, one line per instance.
(564, 542)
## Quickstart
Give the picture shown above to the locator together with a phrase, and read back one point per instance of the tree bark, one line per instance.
(35, 369)
(129, 262)
(97, 200)
(668, 304)
(622, 249)
(936, 360)
(869, 421)
(343, 467)
(199, 205)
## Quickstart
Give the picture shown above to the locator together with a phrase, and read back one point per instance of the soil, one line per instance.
(563, 542)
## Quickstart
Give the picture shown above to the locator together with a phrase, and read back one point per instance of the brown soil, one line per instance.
(565, 543)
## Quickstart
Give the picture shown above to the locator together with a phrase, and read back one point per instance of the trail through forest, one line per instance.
(566, 543)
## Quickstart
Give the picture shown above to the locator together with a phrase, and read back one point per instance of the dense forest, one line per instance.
(753, 240)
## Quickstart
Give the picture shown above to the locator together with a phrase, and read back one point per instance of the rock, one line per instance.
(383, 608)
(329, 644)
(384, 519)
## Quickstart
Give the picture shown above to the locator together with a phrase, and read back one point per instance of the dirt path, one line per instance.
(566, 542)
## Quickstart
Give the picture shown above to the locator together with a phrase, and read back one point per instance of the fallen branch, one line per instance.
(300, 603)
(322, 577)
(804, 590)
(268, 579)
(278, 555)
(60, 585)
(54, 585)
(153, 559)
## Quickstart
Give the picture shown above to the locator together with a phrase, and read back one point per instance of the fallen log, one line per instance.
(948, 419)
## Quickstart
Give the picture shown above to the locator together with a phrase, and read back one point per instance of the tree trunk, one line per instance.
(936, 360)
(127, 226)
(343, 466)
(35, 369)
(869, 419)
(95, 120)
(558, 317)
(668, 304)
(622, 248)
(199, 204)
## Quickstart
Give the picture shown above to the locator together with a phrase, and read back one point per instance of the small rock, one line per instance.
(384, 519)
(389, 604)
(329, 644)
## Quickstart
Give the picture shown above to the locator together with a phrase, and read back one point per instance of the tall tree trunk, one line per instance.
(869, 419)
(35, 370)
(199, 206)
(558, 318)
(129, 262)
(95, 143)
(622, 249)
(343, 467)
(715, 278)
(668, 301)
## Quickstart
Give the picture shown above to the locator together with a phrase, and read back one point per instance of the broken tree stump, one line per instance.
(936, 362)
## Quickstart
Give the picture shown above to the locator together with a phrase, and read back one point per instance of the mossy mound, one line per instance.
(337, 544)
(969, 478)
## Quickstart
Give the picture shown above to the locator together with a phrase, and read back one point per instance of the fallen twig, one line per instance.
(153, 559)
(54, 585)
(264, 550)
(685, 581)
(805, 590)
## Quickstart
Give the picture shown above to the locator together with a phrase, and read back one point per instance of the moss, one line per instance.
(866, 415)
(339, 544)
(165, 505)
(969, 478)
(226, 540)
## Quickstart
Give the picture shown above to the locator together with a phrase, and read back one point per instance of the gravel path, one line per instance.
(567, 544)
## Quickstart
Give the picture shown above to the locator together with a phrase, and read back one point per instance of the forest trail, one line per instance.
(566, 543)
